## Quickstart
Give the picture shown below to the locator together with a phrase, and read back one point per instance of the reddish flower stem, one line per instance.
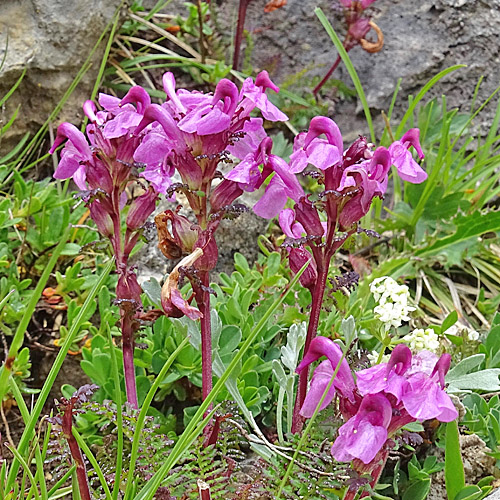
(204, 490)
(128, 345)
(312, 329)
(126, 308)
(203, 301)
(242, 13)
(76, 453)
(379, 463)
(327, 76)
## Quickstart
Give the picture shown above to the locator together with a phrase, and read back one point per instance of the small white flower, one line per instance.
(392, 298)
(472, 334)
(420, 339)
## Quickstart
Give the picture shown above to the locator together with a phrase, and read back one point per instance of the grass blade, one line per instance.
(350, 68)
(49, 382)
(18, 338)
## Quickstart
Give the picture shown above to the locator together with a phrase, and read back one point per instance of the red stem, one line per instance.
(76, 453)
(327, 76)
(204, 490)
(238, 37)
(312, 330)
(126, 320)
(203, 300)
(380, 461)
(128, 357)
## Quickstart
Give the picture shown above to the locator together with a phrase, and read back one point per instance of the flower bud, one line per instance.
(297, 258)
(307, 215)
(142, 207)
(101, 218)
(98, 177)
(224, 194)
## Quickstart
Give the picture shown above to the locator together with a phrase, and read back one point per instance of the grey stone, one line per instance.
(51, 39)
(421, 39)
(494, 496)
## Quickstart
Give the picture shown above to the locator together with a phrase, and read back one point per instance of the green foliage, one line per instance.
(453, 467)
(483, 418)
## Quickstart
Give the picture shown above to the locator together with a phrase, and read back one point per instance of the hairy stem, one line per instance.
(374, 470)
(127, 310)
(312, 329)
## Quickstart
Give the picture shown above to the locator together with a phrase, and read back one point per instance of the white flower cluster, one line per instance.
(458, 329)
(392, 301)
(421, 339)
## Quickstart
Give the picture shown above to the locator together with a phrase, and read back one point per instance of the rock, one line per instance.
(51, 39)
(477, 464)
(421, 39)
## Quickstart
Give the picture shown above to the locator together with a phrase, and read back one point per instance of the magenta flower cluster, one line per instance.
(383, 399)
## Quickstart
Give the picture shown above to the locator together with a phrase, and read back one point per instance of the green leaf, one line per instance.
(484, 380)
(152, 289)
(449, 321)
(470, 493)
(453, 467)
(468, 229)
(418, 490)
(465, 366)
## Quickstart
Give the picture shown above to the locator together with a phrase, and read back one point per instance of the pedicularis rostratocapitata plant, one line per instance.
(217, 150)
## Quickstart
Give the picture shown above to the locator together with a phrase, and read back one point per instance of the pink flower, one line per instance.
(365, 434)
(343, 383)
(422, 393)
(408, 169)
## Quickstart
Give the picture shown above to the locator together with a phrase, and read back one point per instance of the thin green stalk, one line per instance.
(421, 95)
(75, 490)
(21, 404)
(119, 416)
(90, 456)
(61, 481)
(350, 68)
(306, 430)
(26, 469)
(49, 382)
(17, 340)
(142, 415)
(181, 446)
